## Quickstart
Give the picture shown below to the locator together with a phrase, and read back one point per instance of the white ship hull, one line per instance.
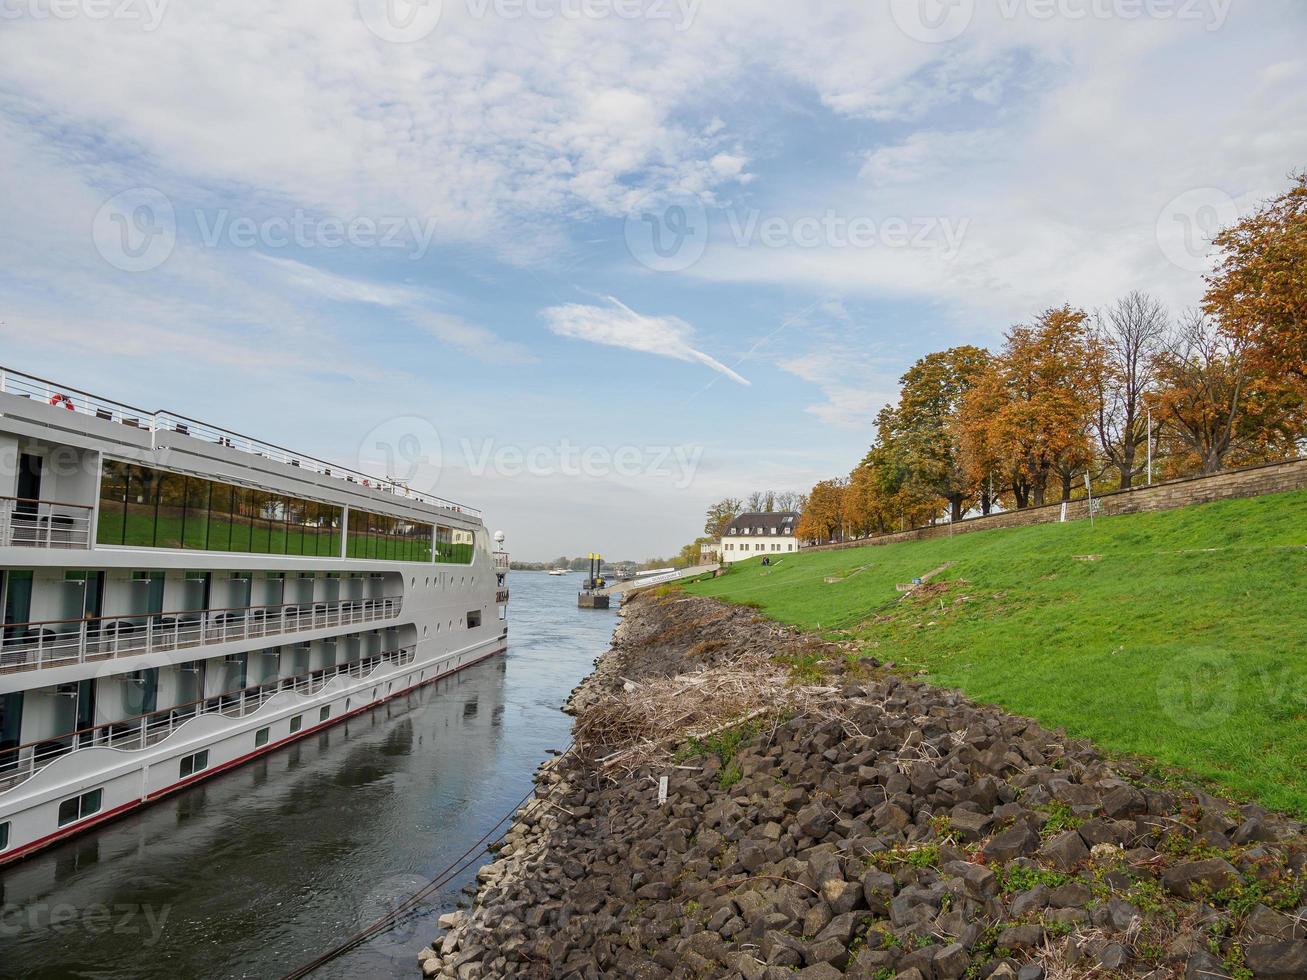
(130, 671)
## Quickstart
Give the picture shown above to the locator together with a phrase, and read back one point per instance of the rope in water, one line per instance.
(410, 904)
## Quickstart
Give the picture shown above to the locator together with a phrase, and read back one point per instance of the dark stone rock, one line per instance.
(1277, 960)
(951, 962)
(1124, 801)
(1251, 831)
(1021, 937)
(1114, 956)
(1064, 851)
(1073, 894)
(877, 891)
(1205, 966)
(1012, 843)
(1195, 878)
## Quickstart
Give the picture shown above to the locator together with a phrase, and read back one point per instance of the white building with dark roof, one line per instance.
(756, 535)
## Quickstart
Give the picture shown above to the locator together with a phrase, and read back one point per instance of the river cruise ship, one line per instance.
(176, 599)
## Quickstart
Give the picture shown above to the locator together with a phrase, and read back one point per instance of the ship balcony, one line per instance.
(22, 762)
(43, 524)
(63, 643)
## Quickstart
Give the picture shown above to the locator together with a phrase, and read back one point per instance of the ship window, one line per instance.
(80, 807)
(148, 508)
(261, 737)
(4, 836)
(325, 713)
(192, 764)
(474, 619)
(296, 723)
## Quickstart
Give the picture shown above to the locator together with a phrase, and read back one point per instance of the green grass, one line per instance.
(1184, 641)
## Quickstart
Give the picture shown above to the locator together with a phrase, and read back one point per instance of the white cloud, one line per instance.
(855, 385)
(472, 338)
(617, 325)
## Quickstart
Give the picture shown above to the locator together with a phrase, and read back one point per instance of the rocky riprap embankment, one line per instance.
(917, 835)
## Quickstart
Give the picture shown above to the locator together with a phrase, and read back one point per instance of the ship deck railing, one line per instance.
(21, 763)
(62, 643)
(160, 420)
(26, 523)
(501, 561)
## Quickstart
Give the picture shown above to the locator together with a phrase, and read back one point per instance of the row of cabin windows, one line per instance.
(144, 507)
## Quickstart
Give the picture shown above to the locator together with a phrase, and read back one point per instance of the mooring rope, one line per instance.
(410, 904)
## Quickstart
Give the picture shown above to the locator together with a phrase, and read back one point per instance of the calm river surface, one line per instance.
(258, 870)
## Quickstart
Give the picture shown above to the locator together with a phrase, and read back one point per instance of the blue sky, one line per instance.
(419, 239)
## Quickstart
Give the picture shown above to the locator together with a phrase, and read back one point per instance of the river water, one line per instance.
(258, 870)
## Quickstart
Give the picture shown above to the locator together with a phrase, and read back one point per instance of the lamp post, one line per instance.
(1149, 409)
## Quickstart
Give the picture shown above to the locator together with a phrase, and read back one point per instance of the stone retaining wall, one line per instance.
(1251, 481)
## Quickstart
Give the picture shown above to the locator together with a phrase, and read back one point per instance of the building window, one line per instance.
(296, 723)
(325, 713)
(191, 764)
(80, 807)
(474, 619)
(261, 737)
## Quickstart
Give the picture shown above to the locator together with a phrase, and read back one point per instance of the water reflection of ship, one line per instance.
(447, 729)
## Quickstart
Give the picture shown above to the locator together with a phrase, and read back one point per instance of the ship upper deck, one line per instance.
(107, 422)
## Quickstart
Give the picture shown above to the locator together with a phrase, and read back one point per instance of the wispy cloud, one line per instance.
(413, 305)
(472, 338)
(617, 325)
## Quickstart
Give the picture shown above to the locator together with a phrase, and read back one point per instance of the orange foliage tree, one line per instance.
(1217, 409)
(1029, 415)
(823, 515)
(1258, 294)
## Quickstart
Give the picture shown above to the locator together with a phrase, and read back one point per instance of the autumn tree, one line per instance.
(1130, 335)
(1034, 409)
(924, 429)
(823, 517)
(1216, 406)
(1258, 293)
(719, 515)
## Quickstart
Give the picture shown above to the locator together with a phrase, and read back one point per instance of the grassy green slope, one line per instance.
(1186, 640)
